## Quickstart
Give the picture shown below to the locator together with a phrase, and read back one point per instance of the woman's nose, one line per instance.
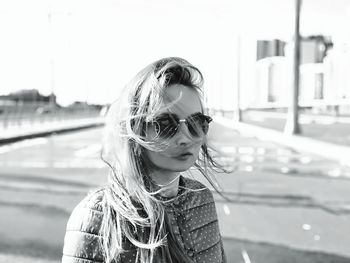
(183, 135)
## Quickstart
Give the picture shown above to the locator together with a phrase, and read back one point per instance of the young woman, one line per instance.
(148, 211)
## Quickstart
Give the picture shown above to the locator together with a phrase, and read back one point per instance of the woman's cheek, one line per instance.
(198, 148)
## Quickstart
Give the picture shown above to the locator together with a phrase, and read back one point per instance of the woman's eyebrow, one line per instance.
(194, 114)
(171, 113)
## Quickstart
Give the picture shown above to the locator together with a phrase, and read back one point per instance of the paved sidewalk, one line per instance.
(302, 143)
(331, 129)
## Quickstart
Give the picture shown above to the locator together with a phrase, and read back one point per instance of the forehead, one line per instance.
(186, 100)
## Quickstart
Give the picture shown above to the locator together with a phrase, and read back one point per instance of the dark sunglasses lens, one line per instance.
(165, 126)
(198, 124)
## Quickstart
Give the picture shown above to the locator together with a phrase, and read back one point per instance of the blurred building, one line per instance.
(314, 49)
(311, 82)
(274, 71)
(269, 48)
(265, 73)
(312, 71)
(26, 101)
(271, 73)
(29, 96)
(337, 72)
(271, 81)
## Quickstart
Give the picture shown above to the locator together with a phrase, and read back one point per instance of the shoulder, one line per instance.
(82, 239)
(88, 213)
(198, 193)
(93, 200)
(193, 184)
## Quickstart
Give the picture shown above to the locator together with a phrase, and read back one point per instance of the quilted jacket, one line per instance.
(192, 216)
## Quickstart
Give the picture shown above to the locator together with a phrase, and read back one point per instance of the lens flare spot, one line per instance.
(306, 227)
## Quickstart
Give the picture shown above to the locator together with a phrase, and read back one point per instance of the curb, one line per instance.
(301, 143)
(44, 133)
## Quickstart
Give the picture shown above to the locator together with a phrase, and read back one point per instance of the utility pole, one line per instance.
(52, 63)
(50, 17)
(292, 123)
(237, 109)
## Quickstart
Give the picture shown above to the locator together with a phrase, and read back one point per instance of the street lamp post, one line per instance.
(292, 124)
(52, 69)
(237, 110)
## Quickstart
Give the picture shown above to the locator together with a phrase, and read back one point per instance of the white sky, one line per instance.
(92, 48)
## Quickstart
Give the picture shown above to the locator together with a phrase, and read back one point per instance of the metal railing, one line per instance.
(22, 117)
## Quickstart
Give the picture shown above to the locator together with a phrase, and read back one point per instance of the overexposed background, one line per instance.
(87, 49)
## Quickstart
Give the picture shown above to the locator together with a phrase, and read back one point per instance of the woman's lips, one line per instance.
(183, 156)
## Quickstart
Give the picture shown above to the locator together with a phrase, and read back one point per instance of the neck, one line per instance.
(168, 182)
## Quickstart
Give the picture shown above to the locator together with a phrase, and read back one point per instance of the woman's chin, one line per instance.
(179, 167)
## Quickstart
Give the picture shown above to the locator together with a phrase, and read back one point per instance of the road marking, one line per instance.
(246, 150)
(247, 158)
(245, 256)
(248, 168)
(285, 169)
(228, 149)
(260, 150)
(283, 159)
(88, 150)
(305, 159)
(334, 172)
(284, 151)
(306, 227)
(226, 210)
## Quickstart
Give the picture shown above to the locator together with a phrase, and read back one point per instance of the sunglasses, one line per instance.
(167, 125)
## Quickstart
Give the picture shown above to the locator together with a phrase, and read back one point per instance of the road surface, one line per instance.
(285, 206)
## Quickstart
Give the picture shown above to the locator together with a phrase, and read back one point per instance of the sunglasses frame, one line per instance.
(189, 123)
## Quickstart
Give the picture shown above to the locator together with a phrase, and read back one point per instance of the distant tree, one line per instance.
(30, 95)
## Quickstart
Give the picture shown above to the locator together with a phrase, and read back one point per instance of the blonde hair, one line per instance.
(131, 209)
